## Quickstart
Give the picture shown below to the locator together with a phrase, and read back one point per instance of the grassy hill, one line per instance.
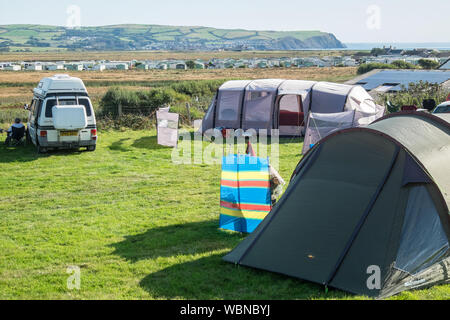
(158, 37)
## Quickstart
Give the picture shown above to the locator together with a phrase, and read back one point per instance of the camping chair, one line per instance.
(17, 137)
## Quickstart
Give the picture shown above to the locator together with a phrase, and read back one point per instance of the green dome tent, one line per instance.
(364, 199)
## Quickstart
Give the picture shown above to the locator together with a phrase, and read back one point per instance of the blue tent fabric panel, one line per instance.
(245, 195)
(245, 163)
(238, 224)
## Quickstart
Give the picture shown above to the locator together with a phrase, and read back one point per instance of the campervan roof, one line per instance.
(60, 83)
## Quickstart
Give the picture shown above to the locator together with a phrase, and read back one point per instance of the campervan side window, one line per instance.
(67, 102)
(33, 106)
(229, 105)
(35, 109)
(258, 106)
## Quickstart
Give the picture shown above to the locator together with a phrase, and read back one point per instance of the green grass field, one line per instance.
(138, 226)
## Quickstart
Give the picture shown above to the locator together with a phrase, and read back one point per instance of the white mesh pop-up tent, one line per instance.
(321, 125)
(285, 104)
(358, 110)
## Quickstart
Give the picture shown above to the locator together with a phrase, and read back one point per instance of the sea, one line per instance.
(399, 45)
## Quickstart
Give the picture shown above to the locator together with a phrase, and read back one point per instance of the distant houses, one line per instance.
(33, 67)
(162, 66)
(199, 65)
(175, 65)
(181, 66)
(74, 66)
(142, 66)
(99, 67)
(9, 66)
(54, 66)
(388, 57)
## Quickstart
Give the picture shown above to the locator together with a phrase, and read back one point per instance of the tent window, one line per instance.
(291, 103)
(255, 95)
(229, 105)
(423, 240)
(258, 106)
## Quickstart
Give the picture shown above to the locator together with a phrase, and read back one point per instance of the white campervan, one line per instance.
(61, 115)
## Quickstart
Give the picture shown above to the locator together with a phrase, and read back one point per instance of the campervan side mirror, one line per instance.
(25, 106)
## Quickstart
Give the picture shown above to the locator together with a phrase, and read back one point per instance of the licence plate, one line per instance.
(68, 133)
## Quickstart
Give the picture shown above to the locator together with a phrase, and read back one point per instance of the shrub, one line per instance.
(190, 64)
(428, 64)
(377, 51)
(138, 107)
(415, 94)
(115, 97)
(366, 67)
(398, 64)
(197, 88)
(138, 102)
(159, 97)
(131, 121)
(8, 115)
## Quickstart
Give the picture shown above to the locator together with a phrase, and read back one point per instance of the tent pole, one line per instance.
(241, 113)
(216, 101)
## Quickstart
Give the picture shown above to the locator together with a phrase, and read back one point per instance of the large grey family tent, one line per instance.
(284, 104)
(362, 199)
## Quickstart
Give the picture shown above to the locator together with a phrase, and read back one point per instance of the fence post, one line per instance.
(119, 110)
(188, 108)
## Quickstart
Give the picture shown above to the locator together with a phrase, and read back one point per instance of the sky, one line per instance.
(349, 20)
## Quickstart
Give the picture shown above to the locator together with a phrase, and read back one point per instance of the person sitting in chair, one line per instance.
(10, 132)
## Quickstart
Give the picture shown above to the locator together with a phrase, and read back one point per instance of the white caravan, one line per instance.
(61, 115)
